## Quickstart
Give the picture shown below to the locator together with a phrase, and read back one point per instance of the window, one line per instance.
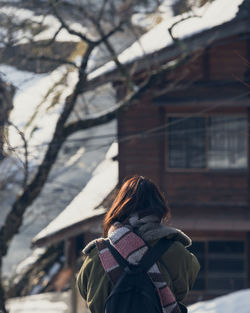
(223, 265)
(216, 142)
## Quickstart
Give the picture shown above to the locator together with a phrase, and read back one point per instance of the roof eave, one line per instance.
(193, 43)
(69, 232)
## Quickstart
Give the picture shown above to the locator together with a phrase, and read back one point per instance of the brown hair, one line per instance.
(137, 195)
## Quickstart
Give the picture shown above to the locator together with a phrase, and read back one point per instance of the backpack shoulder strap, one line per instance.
(120, 260)
(151, 256)
(155, 253)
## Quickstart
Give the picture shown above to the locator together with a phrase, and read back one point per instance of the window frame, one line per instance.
(205, 169)
(207, 274)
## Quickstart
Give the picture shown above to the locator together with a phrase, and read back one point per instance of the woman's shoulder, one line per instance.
(90, 257)
(164, 231)
(90, 248)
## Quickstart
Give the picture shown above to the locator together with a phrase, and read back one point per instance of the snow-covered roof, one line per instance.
(87, 204)
(201, 19)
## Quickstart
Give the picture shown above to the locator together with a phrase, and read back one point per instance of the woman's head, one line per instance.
(137, 195)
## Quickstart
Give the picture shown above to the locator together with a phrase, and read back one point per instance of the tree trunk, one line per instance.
(6, 94)
(2, 293)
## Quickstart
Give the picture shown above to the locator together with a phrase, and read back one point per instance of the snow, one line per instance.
(63, 185)
(47, 302)
(25, 264)
(50, 23)
(238, 301)
(235, 302)
(87, 203)
(76, 161)
(210, 15)
(53, 25)
(31, 94)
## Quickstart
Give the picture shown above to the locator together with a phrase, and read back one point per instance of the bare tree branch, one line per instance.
(111, 33)
(52, 40)
(170, 29)
(64, 25)
(125, 103)
(104, 3)
(113, 54)
(14, 218)
(26, 160)
(50, 59)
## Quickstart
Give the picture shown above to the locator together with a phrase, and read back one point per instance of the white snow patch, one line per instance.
(50, 23)
(211, 15)
(25, 264)
(234, 302)
(53, 25)
(217, 13)
(32, 93)
(86, 203)
(20, 79)
(55, 302)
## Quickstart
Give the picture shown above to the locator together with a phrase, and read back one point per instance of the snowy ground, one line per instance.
(47, 302)
(237, 302)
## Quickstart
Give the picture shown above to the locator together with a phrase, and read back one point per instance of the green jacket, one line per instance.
(178, 266)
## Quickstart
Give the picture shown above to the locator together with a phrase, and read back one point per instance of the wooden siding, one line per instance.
(227, 59)
(193, 70)
(207, 187)
(146, 155)
(140, 154)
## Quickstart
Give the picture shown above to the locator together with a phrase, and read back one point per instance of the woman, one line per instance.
(137, 213)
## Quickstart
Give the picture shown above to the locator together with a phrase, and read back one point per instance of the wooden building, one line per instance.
(189, 133)
(193, 141)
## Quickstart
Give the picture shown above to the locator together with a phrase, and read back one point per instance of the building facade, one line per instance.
(189, 133)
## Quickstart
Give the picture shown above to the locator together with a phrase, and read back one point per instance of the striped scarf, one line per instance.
(133, 248)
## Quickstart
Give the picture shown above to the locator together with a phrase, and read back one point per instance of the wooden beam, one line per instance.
(206, 64)
(161, 149)
(70, 255)
(248, 156)
(213, 104)
(71, 231)
(248, 259)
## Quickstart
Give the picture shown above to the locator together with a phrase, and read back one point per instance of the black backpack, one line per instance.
(135, 292)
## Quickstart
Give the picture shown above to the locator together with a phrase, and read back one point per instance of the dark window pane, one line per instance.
(227, 142)
(226, 283)
(197, 247)
(187, 142)
(226, 265)
(222, 265)
(229, 247)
